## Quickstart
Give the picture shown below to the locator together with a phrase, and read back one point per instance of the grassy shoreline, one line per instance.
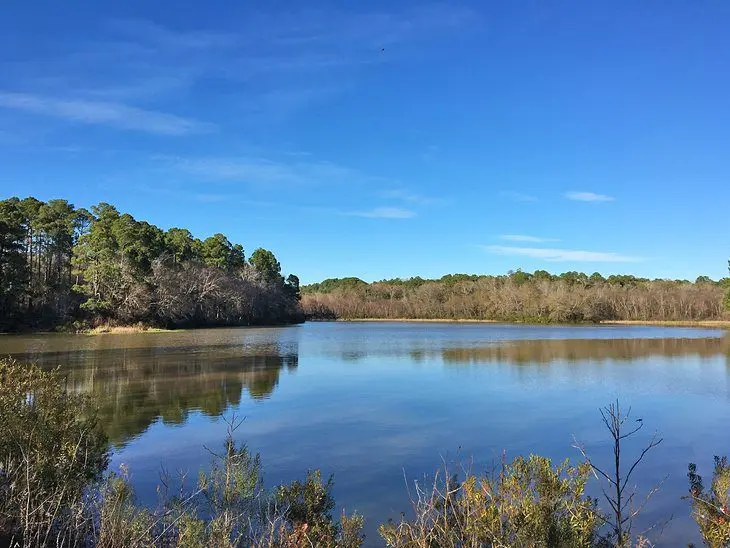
(123, 329)
(141, 328)
(725, 324)
(99, 330)
(671, 323)
(416, 320)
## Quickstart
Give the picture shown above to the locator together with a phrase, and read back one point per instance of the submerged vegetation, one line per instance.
(538, 297)
(55, 491)
(63, 265)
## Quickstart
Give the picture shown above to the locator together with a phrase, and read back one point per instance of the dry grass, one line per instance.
(417, 320)
(671, 323)
(122, 329)
(664, 323)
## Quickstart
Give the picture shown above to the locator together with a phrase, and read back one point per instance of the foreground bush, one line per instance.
(309, 506)
(528, 503)
(711, 508)
(228, 508)
(52, 493)
(51, 448)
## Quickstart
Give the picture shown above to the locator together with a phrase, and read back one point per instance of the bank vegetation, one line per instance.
(67, 266)
(538, 297)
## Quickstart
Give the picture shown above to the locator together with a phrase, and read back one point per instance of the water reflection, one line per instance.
(369, 401)
(576, 350)
(140, 380)
(137, 386)
(533, 351)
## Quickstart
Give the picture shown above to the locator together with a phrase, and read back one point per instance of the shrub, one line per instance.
(229, 508)
(121, 523)
(51, 448)
(711, 508)
(308, 507)
(528, 503)
(233, 498)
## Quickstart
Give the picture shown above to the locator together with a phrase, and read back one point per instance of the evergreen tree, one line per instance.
(265, 263)
(14, 271)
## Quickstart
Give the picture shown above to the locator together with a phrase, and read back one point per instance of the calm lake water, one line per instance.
(377, 404)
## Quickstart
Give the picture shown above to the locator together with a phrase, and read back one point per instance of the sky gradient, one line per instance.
(386, 139)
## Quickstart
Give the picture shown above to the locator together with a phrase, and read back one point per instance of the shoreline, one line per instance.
(123, 329)
(413, 320)
(725, 324)
(671, 323)
(101, 330)
(138, 329)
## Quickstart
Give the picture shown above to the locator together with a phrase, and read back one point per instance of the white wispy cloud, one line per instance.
(385, 213)
(177, 193)
(146, 88)
(264, 171)
(518, 196)
(295, 172)
(588, 197)
(525, 238)
(278, 104)
(114, 115)
(257, 170)
(269, 62)
(144, 31)
(314, 29)
(12, 138)
(407, 196)
(209, 198)
(562, 255)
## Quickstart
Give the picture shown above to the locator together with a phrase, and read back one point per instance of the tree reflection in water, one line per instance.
(544, 351)
(137, 386)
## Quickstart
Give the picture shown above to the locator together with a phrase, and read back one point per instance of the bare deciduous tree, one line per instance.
(525, 298)
(620, 495)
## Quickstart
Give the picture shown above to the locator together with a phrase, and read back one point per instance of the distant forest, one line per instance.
(61, 265)
(539, 297)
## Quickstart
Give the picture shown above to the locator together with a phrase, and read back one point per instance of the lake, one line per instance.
(382, 404)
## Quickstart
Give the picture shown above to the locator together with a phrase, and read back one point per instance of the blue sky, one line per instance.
(381, 139)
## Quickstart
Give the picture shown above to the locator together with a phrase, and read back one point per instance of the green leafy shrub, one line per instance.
(308, 507)
(229, 508)
(233, 494)
(711, 508)
(51, 448)
(528, 503)
(120, 521)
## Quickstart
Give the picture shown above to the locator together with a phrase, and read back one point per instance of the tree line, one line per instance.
(520, 296)
(62, 264)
